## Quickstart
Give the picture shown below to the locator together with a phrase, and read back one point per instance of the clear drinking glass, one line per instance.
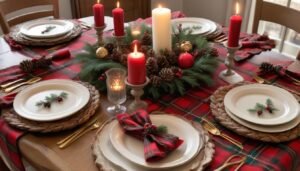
(116, 89)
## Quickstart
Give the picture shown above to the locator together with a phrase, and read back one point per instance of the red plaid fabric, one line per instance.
(156, 146)
(194, 105)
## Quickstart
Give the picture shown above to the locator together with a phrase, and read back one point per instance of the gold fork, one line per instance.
(30, 81)
(211, 128)
(96, 125)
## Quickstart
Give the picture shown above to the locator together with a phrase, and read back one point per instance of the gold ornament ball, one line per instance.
(101, 52)
(186, 46)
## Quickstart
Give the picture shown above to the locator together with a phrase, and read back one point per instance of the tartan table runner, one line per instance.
(193, 105)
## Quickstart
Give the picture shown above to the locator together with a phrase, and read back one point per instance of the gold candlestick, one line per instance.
(99, 32)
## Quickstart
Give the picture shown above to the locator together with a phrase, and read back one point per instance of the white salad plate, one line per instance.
(200, 26)
(261, 128)
(133, 149)
(34, 29)
(240, 99)
(25, 102)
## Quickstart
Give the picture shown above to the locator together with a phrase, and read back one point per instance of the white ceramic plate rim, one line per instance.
(25, 29)
(289, 100)
(83, 94)
(116, 132)
(210, 25)
(268, 129)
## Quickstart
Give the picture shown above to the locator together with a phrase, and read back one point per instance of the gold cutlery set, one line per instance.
(11, 86)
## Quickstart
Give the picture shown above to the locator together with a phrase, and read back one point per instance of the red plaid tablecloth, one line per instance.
(193, 105)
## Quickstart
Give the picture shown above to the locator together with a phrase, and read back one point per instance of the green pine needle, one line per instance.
(162, 129)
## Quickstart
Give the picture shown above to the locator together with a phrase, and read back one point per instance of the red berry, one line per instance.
(59, 99)
(259, 112)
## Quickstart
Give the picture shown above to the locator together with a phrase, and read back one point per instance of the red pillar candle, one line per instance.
(118, 15)
(234, 28)
(136, 62)
(98, 10)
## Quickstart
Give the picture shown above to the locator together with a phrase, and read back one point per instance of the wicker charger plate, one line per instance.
(218, 110)
(199, 163)
(16, 35)
(55, 126)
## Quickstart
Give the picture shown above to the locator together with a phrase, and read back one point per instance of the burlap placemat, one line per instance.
(55, 126)
(198, 163)
(16, 35)
(218, 111)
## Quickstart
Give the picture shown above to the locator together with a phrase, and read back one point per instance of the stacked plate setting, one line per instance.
(25, 102)
(119, 151)
(46, 32)
(240, 99)
(200, 26)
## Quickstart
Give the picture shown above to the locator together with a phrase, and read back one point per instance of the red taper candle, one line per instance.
(98, 10)
(136, 62)
(118, 15)
(234, 28)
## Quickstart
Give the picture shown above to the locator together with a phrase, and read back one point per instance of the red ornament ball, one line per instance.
(135, 43)
(186, 60)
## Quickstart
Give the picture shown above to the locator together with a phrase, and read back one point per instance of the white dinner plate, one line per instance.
(25, 102)
(202, 26)
(133, 149)
(34, 29)
(261, 128)
(240, 99)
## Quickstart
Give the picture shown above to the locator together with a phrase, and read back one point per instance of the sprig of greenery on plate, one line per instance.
(260, 108)
(51, 99)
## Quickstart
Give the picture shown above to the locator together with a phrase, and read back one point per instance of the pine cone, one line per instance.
(150, 53)
(151, 65)
(144, 49)
(171, 57)
(155, 81)
(147, 39)
(27, 66)
(267, 68)
(116, 55)
(166, 74)
(202, 52)
(177, 71)
(42, 63)
(110, 47)
(162, 62)
(214, 52)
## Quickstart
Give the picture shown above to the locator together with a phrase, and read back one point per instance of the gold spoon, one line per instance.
(28, 82)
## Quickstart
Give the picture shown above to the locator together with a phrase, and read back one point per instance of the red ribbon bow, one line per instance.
(156, 145)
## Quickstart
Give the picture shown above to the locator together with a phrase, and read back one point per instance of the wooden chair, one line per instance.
(8, 6)
(277, 14)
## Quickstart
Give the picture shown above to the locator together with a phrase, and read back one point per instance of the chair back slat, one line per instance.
(9, 6)
(275, 13)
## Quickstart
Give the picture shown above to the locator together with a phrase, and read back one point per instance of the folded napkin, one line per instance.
(279, 69)
(12, 43)
(9, 145)
(156, 145)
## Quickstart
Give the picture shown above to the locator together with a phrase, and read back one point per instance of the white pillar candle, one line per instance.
(161, 29)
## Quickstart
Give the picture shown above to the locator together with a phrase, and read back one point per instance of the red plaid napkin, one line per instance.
(13, 44)
(156, 146)
(9, 143)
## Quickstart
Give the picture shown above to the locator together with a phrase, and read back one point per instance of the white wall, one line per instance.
(65, 9)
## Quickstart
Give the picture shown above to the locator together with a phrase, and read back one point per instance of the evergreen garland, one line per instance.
(200, 74)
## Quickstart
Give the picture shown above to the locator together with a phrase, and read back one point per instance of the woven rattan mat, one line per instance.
(16, 35)
(55, 126)
(218, 110)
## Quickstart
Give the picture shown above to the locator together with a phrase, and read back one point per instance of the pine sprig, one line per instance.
(51, 99)
(259, 108)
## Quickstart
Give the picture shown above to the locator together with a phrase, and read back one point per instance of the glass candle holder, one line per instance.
(116, 89)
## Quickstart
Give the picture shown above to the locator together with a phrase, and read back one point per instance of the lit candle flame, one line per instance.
(118, 4)
(159, 6)
(98, 1)
(237, 8)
